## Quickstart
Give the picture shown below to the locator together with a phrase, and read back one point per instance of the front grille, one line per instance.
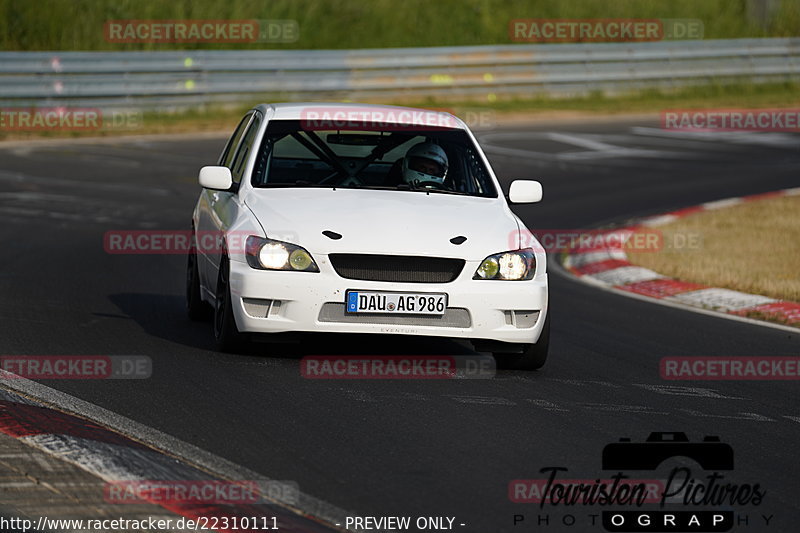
(454, 317)
(397, 268)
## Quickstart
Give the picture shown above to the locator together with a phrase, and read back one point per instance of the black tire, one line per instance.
(196, 308)
(226, 335)
(533, 356)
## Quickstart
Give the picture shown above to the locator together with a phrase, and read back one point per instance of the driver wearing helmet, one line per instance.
(425, 165)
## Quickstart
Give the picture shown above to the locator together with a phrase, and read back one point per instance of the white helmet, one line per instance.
(425, 163)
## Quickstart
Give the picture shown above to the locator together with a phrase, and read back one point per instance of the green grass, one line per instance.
(337, 24)
(653, 100)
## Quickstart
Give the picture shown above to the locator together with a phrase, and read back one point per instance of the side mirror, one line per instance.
(217, 178)
(525, 192)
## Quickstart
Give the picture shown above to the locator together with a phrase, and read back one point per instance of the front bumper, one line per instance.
(275, 301)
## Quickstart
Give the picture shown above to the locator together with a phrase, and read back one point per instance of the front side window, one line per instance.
(233, 142)
(245, 148)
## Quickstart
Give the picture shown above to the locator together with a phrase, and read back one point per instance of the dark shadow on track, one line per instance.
(164, 316)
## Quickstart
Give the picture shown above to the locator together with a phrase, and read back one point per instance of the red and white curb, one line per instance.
(609, 267)
(116, 458)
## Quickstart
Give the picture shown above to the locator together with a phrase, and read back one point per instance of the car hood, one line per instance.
(385, 222)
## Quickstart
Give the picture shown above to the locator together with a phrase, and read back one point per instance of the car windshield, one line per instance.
(392, 157)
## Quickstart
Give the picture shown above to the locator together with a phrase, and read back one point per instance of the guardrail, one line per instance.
(179, 79)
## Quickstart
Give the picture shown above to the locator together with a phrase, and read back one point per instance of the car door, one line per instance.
(209, 225)
(225, 207)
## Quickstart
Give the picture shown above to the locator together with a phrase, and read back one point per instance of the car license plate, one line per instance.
(402, 303)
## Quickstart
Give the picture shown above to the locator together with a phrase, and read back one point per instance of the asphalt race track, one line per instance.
(406, 447)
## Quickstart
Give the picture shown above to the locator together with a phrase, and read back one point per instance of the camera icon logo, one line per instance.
(710, 454)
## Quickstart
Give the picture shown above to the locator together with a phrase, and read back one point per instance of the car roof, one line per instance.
(355, 111)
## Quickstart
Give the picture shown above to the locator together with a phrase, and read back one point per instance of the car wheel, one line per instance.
(533, 356)
(196, 308)
(226, 335)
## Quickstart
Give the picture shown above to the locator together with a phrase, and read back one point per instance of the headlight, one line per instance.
(518, 265)
(267, 254)
(273, 256)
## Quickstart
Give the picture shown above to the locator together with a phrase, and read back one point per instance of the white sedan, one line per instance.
(365, 219)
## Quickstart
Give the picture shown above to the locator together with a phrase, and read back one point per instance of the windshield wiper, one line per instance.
(398, 187)
(444, 191)
(298, 183)
(410, 187)
(428, 190)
